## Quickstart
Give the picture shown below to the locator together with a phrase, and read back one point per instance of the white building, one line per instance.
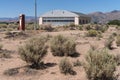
(63, 17)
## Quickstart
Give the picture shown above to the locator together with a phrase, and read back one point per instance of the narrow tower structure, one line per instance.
(21, 22)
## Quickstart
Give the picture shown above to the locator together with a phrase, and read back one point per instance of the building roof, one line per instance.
(63, 13)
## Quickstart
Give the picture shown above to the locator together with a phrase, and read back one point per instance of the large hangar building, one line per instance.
(63, 17)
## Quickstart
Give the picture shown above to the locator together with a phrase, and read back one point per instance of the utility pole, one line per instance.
(35, 23)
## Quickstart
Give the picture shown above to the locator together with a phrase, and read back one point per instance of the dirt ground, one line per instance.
(52, 71)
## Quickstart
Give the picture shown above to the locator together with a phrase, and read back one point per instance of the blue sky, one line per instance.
(12, 8)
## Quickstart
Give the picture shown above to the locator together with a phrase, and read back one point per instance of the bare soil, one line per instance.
(51, 72)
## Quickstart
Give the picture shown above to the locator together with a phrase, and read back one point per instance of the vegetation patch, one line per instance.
(4, 53)
(61, 46)
(92, 33)
(66, 67)
(34, 51)
(100, 65)
(11, 72)
(118, 40)
(108, 42)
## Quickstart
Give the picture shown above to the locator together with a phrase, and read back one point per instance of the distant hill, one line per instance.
(98, 17)
(15, 19)
(101, 17)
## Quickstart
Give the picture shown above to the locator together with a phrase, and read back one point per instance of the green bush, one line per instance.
(100, 65)
(118, 40)
(34, 51)
(114, 22)
(65, 66)
(61, 46)
(92, 33)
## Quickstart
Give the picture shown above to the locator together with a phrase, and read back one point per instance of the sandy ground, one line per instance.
(51, 72)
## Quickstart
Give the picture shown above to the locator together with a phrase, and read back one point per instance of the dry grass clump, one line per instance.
(34, 51)
(101, 28)
(65, 66)
(92, 33)
(11, 72)
(97, 27)
(100, 65)
(77, 63)
(4, 53)
(46, 27)
(108, 42)
(118, 59)
(15, 34)
(1, 46)
(61, 46)
(118, 40)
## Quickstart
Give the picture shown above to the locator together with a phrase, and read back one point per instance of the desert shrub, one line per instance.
(34, 51)
(29, 71)
(80, 27)
(94, 46)
(87, 27)
(118, 59)
(46, 27)
(77, 63)
(1, 46)
(100, 65)
(114, 34)
(108, 42)
(65, 66)
(72, 26)
(92, 33)
(15, 34)
(4, 55)
(61, 46)
(29, 26)
(101, 28)
(118, 40)
(3, 26)
(11, 72)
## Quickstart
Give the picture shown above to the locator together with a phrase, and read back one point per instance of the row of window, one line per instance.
(58, 20)
(83, 21)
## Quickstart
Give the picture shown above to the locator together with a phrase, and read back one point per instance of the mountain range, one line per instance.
(98, 17)
(101, 17)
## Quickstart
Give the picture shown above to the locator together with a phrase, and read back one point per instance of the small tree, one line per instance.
(100, 65)
(33, 51)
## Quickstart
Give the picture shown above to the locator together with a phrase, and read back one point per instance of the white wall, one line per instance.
(40, 21)
(76, 20)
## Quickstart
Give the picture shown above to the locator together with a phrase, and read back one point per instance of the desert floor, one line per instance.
(51, 72)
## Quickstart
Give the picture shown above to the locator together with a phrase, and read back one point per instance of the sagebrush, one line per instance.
(65, 66)
(100, 65)
(34, 51)
(61, 46)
